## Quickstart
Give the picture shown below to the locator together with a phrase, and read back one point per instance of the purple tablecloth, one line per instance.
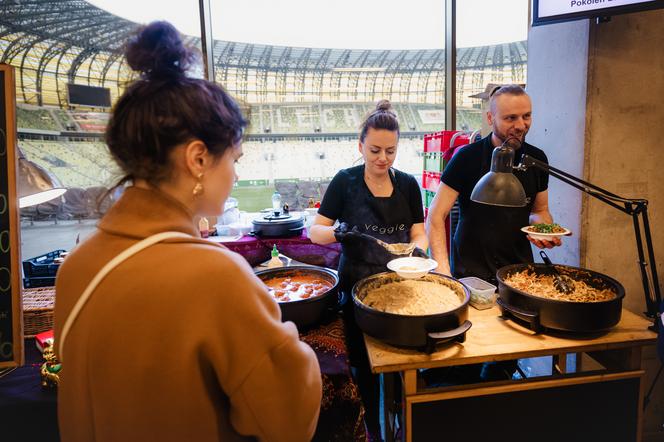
(257, 250)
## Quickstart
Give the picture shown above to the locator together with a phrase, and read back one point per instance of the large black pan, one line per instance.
(543, 313)
(306, 312)
(420, 332)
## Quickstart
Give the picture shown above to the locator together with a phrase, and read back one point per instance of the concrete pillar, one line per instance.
(557, 72)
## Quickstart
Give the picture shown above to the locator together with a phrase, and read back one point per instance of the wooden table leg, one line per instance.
(409, 389)
(387, 387)
(560, 363)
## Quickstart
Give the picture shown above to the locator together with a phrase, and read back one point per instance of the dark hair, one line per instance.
(507, 89)
(383, 117)
(165, 108)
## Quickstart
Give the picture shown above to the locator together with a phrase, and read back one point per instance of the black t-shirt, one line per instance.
(338, 202)
(349, 200)
(489, 237)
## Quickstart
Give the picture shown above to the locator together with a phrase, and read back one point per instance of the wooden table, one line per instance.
(598, 397)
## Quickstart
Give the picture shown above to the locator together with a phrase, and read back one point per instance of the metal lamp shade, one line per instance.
(499, 187)
(35, 184)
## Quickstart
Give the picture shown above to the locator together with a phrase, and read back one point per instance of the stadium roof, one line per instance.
(54, 42)
(76, 23)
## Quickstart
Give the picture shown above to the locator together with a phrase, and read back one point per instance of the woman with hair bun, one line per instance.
(371, 202)
(162, 335)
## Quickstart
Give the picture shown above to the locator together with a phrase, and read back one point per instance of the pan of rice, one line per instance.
(413, 313)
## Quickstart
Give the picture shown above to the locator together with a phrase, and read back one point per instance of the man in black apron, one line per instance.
(489, 237)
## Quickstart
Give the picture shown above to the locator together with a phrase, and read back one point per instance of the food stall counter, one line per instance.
(599, 394)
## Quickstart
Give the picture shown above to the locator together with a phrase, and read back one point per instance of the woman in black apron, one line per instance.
(372, 202)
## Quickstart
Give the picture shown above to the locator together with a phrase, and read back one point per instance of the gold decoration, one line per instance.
(198, 188)
(50, 370)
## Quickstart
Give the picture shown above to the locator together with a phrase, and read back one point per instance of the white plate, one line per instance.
(545, 236)
(415, 267)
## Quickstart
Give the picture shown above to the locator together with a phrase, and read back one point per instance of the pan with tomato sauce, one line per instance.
(297, 287)
(306, 294)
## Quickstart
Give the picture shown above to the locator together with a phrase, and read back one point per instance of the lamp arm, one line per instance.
(587, 187)
(654, 297)
(636, 208)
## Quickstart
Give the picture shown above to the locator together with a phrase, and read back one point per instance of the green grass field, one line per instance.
(255, 198)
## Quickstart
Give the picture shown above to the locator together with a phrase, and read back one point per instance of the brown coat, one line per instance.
(179, 343)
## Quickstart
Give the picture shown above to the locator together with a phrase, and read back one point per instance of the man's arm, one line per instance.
(540, 214)
(438, 212)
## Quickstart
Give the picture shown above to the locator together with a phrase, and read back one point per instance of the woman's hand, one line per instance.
(419, 253)
(341, 231)
(362, 247)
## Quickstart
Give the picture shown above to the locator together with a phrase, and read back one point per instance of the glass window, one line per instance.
(318, 69)
(491, 50)
(83, 46)
(305, 73)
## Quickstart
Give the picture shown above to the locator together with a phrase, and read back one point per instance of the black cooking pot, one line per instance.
(305, 312)
(279, 226)
(421, 332)
(542, 313)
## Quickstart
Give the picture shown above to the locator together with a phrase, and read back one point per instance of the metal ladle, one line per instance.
(562, 283)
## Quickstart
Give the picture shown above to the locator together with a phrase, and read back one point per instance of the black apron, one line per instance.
(489, 237)
(386, 218)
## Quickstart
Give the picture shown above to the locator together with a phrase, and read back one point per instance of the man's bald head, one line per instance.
(508, 89)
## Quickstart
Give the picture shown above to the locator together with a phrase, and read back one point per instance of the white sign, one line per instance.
(432, 116)
(550, 8)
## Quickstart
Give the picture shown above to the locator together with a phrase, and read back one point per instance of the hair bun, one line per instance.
(384, 105)
(157, 50)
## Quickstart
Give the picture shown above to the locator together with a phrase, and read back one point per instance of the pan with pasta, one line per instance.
(527, 293)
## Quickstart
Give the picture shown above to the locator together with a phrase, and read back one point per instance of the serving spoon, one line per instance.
(562, 283)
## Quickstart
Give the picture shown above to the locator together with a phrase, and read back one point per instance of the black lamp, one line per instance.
(495, 189)
(499, 187)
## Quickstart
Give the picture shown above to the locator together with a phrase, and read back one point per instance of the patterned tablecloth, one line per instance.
(342, 414)
(257, 250)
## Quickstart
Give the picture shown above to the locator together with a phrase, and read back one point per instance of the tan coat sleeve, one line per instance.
(273, 380)
(281, 396)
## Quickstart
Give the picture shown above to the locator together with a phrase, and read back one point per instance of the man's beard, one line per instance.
(514, 141)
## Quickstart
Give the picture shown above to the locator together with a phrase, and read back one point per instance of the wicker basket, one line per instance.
(38, 310)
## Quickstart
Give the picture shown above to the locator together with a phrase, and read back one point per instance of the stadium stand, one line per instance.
(91, 121)
(75, 164)
(287, 119)
(35, 118)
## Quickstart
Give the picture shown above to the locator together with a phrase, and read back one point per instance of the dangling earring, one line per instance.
(198, 188)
